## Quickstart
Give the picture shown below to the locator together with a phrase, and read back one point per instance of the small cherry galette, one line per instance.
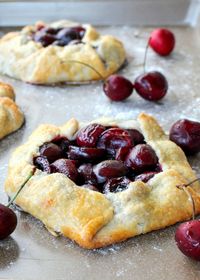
(60, 52)
(103, 182)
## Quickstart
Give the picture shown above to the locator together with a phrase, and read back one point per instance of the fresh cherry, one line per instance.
(65, 166)
(188, 239)
(116, 184)
(114, 138)
(88, 136)
(117, 88)
(151, 86)
(86, 172)
(42, 164)
(162, 41)
(145, 177)
(186, 134)
(109, 169)
(141, 158)
(87, 154)
(51, 151)
(8, 221)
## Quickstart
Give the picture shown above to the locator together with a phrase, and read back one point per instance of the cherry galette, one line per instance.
(60, 52)
(103, 182)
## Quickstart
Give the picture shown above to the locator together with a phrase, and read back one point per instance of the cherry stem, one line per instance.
(85, 64)
(184, 187)
(145, 57)
(21, 187)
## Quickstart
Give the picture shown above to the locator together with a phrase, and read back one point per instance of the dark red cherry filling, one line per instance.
(116, 184)
(65, 166)
(141, 158)
(58, 36)
(89, 135)
(104, 159)
(114, 138)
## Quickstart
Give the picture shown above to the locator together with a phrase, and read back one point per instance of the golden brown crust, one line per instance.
(95, 220)
(33, 63)
(7, 90)
(11, 117)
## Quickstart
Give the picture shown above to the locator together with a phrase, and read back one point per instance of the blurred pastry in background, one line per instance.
(60, 52)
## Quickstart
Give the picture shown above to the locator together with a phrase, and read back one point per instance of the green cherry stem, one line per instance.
(85, 64)
(184, 188)
(145, 57)
(21, 187)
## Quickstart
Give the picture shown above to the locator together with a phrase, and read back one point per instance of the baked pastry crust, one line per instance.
(27, 60)
(93, 219)
(7, 90)
(11, 117)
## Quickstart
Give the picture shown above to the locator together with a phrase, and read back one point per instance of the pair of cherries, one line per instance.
(151, 86)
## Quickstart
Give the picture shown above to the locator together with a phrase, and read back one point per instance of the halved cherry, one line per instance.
(87, 154)
(109, 169)
(44, 38)
(88, 136)
(121, 153)
(62, 142)
(141, 158)
(42, 164)
(86, 173)
(116, 184)
(114, 138)
(65, 166)
(51, 151)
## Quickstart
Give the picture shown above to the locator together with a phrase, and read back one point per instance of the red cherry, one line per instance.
(117, 88)
(87, 174)
(42, 164)
(162, 41)
(121, 153)
(88, 136)
(109, 169)
(151, 86)
(51, 151)
(186, 134)
(141, 157)
(8, 221)
(136, 136)
(188, 239)
(65, 166)
(114, 138)
(87, 154)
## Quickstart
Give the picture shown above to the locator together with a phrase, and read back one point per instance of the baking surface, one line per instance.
(31, 252)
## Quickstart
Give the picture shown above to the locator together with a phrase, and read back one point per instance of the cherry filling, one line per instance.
(59, 36)
(104, 159)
